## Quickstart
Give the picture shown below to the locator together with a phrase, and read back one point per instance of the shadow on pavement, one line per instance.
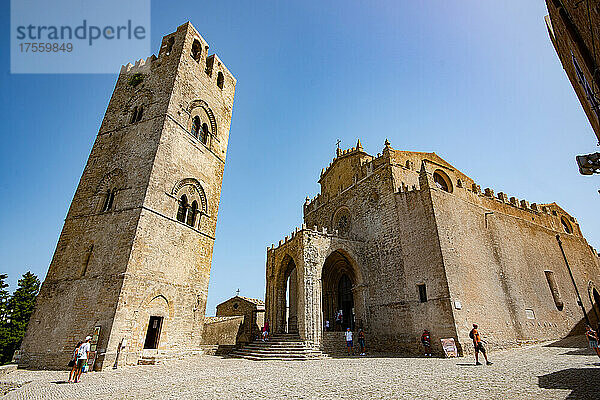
(583, 382)
(579, 341)
(580, 352)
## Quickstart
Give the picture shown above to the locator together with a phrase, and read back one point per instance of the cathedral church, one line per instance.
(404, 241)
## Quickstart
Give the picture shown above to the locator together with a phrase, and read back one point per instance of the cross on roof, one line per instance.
(237, 292)
(338, 143)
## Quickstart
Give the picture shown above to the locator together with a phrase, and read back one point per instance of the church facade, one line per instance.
(403, 241)
(133, 260)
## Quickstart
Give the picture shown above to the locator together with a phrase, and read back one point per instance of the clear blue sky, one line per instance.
(478, 82)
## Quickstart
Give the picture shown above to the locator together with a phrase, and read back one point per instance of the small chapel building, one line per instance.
(404, 241)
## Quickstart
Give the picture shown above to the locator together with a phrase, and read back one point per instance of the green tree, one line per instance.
(4, 296)
(18, 310)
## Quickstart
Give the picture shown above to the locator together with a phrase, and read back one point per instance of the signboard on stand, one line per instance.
(449, 346)
(93, 348)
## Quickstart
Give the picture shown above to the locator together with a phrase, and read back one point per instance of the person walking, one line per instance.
(361, 341)
(73, 363)
(592, 338)
(426, 341)
(349, 341)
(478, 343)
(82, 356)
(326, 325)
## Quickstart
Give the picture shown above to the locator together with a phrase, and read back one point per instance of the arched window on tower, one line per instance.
(139, 114)
(220, 80)
(109, 200)
(191, 217)
(106, 201)
(196, 126)
(133, 115)
(196, 50)
(182, 210)
(204, 135)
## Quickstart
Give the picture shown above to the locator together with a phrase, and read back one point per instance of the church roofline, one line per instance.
(358, 149)
(468, 183)
(258, 302)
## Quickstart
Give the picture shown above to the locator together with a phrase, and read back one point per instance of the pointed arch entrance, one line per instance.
(287, 288)
(339, 292)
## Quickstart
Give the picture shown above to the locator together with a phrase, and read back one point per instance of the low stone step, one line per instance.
(279, 350)
(277, 356)
(276, 345)
(252, 358)
(267, 355)
(284, 337)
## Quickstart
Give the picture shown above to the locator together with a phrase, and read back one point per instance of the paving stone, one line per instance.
(536, 372)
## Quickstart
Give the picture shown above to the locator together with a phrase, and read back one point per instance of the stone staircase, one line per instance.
(284, 347)
(334, 344)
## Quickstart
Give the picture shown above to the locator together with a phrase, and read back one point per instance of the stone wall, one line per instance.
(222, 331)
(574, 29)
(495, 263)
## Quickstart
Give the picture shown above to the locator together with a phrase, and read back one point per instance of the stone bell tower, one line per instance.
(135, 252)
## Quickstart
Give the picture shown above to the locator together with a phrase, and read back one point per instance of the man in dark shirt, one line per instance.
(426, 340)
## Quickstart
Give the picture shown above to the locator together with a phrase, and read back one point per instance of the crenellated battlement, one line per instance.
(298, 230)
(515, 202)
(186, 46)
(140, 66)
(552, 212)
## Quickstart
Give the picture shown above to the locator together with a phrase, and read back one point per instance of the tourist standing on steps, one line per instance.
(349, 341)
(426, 341)
(478, 343)
(361, 341)
(598, 338)
(82, 357)
(592, 338)
(73, 363)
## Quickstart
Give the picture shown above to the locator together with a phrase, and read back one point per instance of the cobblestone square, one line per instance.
(535, 372)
